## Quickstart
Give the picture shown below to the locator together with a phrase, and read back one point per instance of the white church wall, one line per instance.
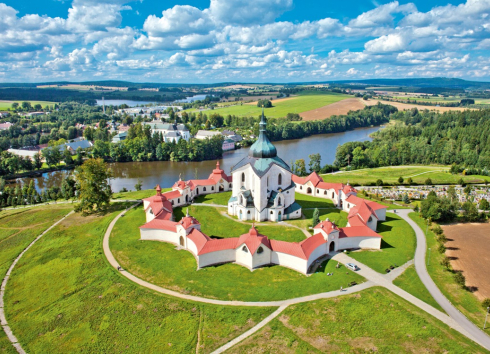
(217, 257)
(191, 246)
(321, 250)
(289, 261)
(359, 242)
(260, 259)
(159, 235)
(244, 257)
(381, 213)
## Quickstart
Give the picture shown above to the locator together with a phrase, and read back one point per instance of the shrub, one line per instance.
(379, 182)
(485, 303)
(437, 229)
(409, 180)
(400, 179)
(428, 182)
(446, 262)
(441, 248)
(460, 279)
(442, 238)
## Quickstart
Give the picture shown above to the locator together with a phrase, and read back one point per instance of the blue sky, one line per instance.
(193, 41)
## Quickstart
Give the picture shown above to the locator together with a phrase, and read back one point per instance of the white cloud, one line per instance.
(252, 12)
(179, 20)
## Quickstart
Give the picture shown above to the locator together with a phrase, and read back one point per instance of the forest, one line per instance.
(424, 137)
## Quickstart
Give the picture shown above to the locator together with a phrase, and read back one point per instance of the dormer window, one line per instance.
(244, 249)
(370, 219)
(260, 250)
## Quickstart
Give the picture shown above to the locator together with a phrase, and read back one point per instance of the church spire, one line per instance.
(262, 148)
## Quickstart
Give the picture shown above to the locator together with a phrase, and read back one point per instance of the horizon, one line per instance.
(208, 42)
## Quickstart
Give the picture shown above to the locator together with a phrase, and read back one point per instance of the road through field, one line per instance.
(420, 266)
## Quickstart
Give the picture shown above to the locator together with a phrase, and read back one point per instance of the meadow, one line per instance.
(6, 105)
(374, 320)
(63, 297)
(281, 108)
(390, 175)
(162, 264)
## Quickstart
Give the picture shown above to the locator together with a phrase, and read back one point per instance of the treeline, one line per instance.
(141, 145)
(461, 138)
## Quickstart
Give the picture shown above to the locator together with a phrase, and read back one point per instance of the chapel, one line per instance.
(263, 188)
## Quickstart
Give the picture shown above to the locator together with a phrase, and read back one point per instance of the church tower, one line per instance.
(262, 185)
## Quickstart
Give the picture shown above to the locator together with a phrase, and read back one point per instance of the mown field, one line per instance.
(63, 297)
(160, 263)
(5, 105)
(374, 320)
(462, 299)
(397, 245)
(281, 108)
(390, 175)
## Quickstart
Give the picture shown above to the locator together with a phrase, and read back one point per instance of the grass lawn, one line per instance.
(308, 201)
(161, 264)
(5, 105)
(216, 198)
(217, 225)
(391, 174)
(411, 283)
(374, 320)
(462, 299)
(397, 245)
(5, 346)
(63, 297)
(335, 215)
(19, 227)
(281, 109)
(137, 194)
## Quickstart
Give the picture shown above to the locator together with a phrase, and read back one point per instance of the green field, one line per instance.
(160, 263)
(297, 104)
(462, 299)
(5, 105)
(374, 320)
(63, 297)
(397, 245)
(411, 283)
(390, 175)
(137, 194)
(19, 227)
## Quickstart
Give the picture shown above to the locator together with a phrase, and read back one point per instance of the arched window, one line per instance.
(333, 195)
(178, 200)
(267, 181)
(231, 185)
(197, 190)
(172, 202)
(248, 212)
(244, 249)
(272, 212)
(151, 211)
(279, 202)
(300, 187)
(241, 199)
(204, 189)
(243, 177)
(279, 179)
(370, 219)
(318, 191)
(212, 188)
(260, 250)
(325, 192)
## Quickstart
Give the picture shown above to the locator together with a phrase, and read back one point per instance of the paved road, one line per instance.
(420, 266)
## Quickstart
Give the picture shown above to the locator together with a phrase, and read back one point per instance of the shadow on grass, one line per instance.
(385, 245)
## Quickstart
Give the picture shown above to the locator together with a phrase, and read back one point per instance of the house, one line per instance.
(206, 134)
(228, 145)
(24, 152)
(119, 137)
(5, 126)
(170, 132)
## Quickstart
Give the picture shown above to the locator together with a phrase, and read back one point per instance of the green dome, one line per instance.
(262, 148)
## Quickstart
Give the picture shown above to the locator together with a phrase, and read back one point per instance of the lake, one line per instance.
(130, 103)
(165, 173)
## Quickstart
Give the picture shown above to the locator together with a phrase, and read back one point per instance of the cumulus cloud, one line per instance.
(246, 13)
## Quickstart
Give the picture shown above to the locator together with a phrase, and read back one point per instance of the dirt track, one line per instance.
(470, 246)
(404, 106)
(337, 108)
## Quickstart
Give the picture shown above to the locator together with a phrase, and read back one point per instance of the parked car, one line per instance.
(352, 266)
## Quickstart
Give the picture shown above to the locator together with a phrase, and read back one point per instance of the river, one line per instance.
(165, 173)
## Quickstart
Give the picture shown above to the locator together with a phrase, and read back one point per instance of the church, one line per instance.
(263, 187)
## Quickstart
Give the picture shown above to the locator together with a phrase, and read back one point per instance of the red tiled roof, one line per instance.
(172, 194)
(180, 185)
(317, 181)
(326, 226)
(159, 224)
(198, 238)
(357, 231)
(311, 244)
(353, 199)
(355, 220)
(326, 185)
(188, 221)
(292, 248)
(219, 245)
(363, 210)
(253, 240)
(348, 189)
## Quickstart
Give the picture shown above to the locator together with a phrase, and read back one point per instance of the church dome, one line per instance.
(262, 148)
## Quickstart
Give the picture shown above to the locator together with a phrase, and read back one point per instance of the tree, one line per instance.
(379, 182)
(470, 211)
(461, 182)
(485, 303)
(67, 158)
(409, 181)
(316, 217)
(406, 199)
(79, 158)
(52, 155)
(484, 205)
(15, 105)
(94, 190)
(467, 189)
(428, 182)
(264, 103)
(315, 163)
(445, 262)
(38, 163)
(460, 279)
(26, 106)
(138, 185)
(400, 179)
(300, 167)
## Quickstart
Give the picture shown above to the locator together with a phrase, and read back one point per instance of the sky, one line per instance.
(194, 41)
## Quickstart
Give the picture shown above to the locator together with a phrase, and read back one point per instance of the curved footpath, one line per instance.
(420, 266)
(3, 319)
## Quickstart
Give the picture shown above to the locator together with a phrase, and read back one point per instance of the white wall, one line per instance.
(289, 261)
(381, 214)
(244, 258)
(217, 257)
(359, 242)
(317, 253)
(262, 258)
(159, 235)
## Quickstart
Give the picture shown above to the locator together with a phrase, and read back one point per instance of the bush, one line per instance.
(437, 229)
(460, 279)
(442, 238)
(428, 182)
(379, 182)
(409, 180)
(446, 262)
(485, 303)
(441, 248)
(400, 179)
